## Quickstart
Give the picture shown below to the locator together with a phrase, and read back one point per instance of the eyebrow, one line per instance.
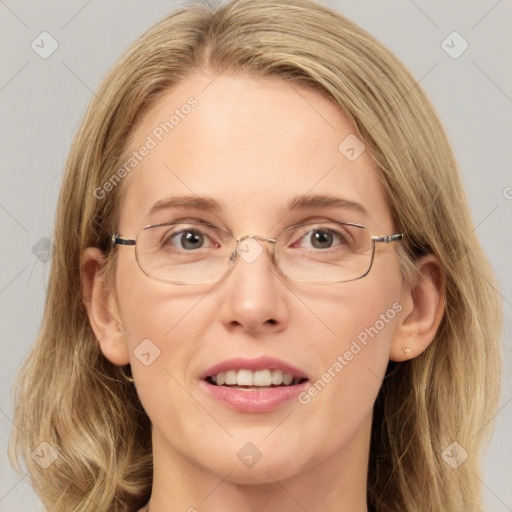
(299, 203)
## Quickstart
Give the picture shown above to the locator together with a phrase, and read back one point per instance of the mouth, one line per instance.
(247, 380)
(253, 385)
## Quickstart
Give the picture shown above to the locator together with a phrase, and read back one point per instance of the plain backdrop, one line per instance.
(43, 100)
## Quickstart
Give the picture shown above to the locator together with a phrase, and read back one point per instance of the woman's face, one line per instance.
(254, 145)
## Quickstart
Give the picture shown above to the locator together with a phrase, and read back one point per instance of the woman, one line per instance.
(266, 290)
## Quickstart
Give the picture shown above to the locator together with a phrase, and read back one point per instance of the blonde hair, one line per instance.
(70, 396)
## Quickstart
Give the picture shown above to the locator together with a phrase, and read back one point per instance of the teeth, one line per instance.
(260, 378)
(287, 378)
(244, 378)
(231, 377)
(277, 377)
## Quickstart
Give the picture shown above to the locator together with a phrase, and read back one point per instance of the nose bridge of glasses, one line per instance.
(251, 236)
(255, 237)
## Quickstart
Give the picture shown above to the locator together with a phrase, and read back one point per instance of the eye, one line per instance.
(188, 239)
(322, 238)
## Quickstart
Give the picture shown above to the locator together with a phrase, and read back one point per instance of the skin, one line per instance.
(253, 144)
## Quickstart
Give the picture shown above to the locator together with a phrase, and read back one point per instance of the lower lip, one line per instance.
(264, 400)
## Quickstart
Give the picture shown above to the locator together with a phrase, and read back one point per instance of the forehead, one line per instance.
(252, 144)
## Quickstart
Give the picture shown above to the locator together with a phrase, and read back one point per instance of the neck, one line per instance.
(337, 480)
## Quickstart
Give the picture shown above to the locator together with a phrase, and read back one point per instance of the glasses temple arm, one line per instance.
(116, 240)
(388, 238)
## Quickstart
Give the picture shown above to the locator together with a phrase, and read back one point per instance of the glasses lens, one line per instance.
(325, 252)
(184, 253)
(198, 253)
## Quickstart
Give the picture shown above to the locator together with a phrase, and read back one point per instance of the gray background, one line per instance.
(43, 100)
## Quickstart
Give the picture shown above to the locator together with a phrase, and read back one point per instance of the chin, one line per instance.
(262, 472)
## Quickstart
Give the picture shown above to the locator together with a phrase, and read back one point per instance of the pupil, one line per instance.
(323, 237)
(191, 238)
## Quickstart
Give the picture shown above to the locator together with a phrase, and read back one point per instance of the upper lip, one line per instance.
(260, 363)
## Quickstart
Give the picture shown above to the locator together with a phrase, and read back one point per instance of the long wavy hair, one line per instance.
(70, 396)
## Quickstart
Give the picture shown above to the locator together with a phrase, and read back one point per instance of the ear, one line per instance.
(102, 308)
(423, 308)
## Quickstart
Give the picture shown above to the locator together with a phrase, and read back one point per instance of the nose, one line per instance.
(255, 296)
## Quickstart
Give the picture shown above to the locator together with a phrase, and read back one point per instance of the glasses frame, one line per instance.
(386, 239)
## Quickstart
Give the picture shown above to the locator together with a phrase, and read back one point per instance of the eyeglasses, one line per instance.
(201, 253)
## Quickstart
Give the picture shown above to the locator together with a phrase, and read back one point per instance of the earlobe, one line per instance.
(422, 312)
(102, 308)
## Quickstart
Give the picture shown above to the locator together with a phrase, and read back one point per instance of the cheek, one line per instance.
(360, 318)
(162, 328)
(153, 315)
(360, 311)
